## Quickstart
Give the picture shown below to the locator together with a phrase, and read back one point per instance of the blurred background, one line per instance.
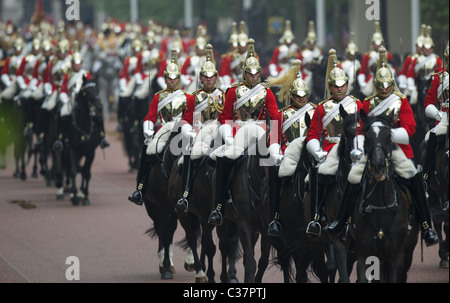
(400, 20)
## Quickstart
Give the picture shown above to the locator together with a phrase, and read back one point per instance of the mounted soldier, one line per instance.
(246, 104)
(292, 130)
(386, 99)
(202, 108)
(324, 135)
(166, 106)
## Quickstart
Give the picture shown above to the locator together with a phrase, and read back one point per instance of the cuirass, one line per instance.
(214, 107)
(298, 128)
(395, 106)
(14, 64)
(172, 109)
(428, 69)
(443, 102)
(253, 107)
(336, 127)
(58, 75)
(132, 62)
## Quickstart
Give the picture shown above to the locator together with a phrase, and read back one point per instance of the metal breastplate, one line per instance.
(253, 107)
(428, 68)
(14, 64)
(172, 109)
(62, 68)
(336, 127)
(395, 106)
(443, 102)
(132, 62)
(214, 107)
(298, 128)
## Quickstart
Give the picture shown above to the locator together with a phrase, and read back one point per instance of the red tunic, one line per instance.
(405, 120)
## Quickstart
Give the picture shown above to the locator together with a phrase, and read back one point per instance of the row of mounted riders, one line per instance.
(40, 135)
(382, 210)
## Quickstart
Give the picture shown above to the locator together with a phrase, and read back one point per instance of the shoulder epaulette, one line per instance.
(265, 85)
(437, 74)
(322, 102)
(157, 93)
(235, 85)
(400, 95)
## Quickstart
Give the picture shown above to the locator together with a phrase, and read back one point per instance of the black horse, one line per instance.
(84, 138)
(157, 202)
(380, 221)
(438, 188)
(195, 221)
(250, 207)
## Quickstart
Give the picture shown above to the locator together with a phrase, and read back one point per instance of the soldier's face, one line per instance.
(252, 79)
(385, 92)
(298, 101)
(208, 82)
(338, 92)
(172, 83)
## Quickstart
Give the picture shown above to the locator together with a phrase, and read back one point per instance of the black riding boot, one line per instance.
(419, 199)
(223, 171)
(137, 196)
(183, 204)
(121, 112)
(104, 143)
(345, 208)
(43, 122)
(429, 156)
(64, 124)
(275, 227)
(314, 229)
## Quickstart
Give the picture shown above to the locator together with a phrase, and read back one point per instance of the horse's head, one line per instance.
(88, 90)
(378, 144)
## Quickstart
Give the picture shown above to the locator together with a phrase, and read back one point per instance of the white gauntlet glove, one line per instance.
(275, 153)
(148, 129)
(313, 147)
(399, 135)
(225, 132)
(432, 112)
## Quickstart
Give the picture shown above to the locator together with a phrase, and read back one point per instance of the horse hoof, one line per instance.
(166, 275)
(86, 202)
(23, 176)
(34, 175)
(189, 267)
(161, 269)
(235, 280)
(201, 280)
(443, 264)
(75, 201)
(59, 197)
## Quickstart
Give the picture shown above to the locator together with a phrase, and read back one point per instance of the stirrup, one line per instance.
(215, 221)
(310, 229)
(182, 205)
(275, 228)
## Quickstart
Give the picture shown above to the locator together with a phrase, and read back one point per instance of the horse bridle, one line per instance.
(386, 152)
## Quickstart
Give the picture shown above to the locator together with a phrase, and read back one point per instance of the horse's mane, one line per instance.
(348, 121)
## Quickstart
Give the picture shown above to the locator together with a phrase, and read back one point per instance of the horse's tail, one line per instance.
(283, 260)
(151, 232)
(195, 230)
(301, 247)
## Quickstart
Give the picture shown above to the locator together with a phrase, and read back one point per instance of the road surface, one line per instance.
(42, 238)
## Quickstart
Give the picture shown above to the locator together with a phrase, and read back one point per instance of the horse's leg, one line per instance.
(167, 233)
(331, 262)
(208, 250)
(229, 249)
(340, 257)
(245, 235)
(73, 174)
(264, 259)
(86, 177)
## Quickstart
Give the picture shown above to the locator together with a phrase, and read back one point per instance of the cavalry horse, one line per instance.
(250, 208)
(163, 150)
(84, 138)
(337, 252)
(195, 220)
(381, 216)
(438, 187)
